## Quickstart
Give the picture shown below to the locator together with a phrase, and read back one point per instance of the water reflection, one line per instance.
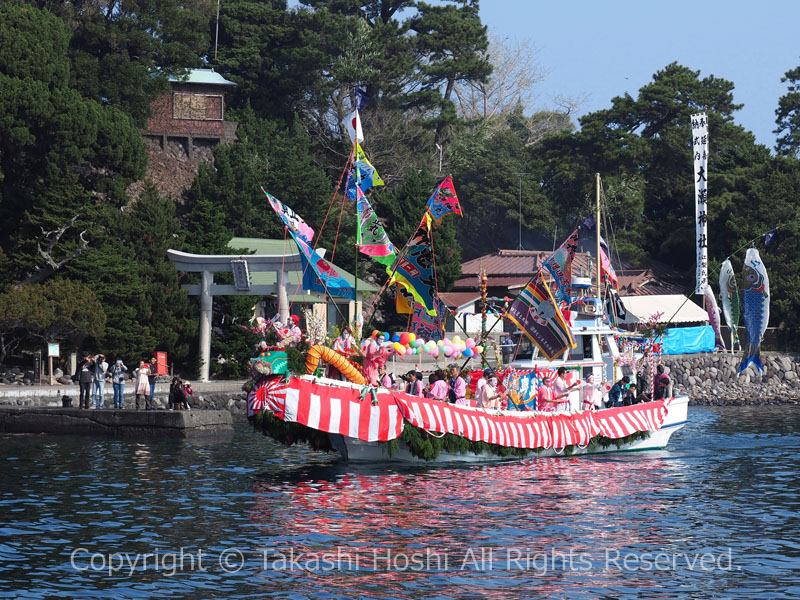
(535, 528)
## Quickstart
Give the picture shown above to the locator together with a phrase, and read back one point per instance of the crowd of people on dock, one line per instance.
(93, 370)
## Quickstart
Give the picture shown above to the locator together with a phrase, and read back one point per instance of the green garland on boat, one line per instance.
(421, 443)
(426, 446)
(290, 433)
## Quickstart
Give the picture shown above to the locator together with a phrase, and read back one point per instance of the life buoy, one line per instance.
(336, 360)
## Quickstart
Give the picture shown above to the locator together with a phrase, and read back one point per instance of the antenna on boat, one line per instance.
(597, 220)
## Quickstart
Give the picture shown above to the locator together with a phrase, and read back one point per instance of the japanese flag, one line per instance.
(352, 123)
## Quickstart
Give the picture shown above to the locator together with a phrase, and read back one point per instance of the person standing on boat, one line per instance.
(562, 389)
(482, 382)
(664, 389)
(438, 389)
(615, 393)
(591, 398)
(293, 332)
(458, 388)
(375, 356)
(414, 386)
(345, 343)
(386, 379)
(629, 395)
(490, 396)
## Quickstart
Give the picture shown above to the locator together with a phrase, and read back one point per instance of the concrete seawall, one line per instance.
(214, 395)
(123, 423)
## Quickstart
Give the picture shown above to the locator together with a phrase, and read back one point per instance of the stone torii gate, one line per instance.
(241, 266)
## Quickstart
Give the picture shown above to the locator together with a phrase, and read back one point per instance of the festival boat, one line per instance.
(364, 422)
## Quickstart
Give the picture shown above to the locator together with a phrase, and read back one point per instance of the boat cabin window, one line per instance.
(525, 348)
(582, 349)
(587, 347)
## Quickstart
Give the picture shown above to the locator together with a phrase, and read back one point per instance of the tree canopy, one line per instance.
(77, 80)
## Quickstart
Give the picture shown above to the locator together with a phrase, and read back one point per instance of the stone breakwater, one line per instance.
(710, 379)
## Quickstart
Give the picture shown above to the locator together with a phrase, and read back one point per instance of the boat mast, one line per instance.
(597, 228)
(358, 239)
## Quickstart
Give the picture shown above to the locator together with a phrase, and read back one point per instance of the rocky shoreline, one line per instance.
(711, 380)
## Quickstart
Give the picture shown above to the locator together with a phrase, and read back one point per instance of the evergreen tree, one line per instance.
(788, 116)
(117, 48)
(61, 155)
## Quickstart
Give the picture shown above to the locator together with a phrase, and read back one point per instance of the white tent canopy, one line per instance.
(676, 308)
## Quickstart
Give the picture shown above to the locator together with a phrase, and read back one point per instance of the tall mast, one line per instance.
(358, 235)
(597, 228)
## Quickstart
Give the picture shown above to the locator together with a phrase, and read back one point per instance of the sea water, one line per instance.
(714, 516)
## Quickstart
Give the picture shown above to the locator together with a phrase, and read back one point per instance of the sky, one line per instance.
(596, 50)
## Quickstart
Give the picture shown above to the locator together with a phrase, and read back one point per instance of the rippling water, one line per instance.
(713, 517)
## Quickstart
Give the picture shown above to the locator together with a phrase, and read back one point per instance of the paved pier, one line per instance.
(123, 423)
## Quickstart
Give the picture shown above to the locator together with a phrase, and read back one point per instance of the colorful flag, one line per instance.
(319, 275)
(607, 269)
(291, 219)
(371, 237)
(535, 313)
(404, 301)
(444, 200)
(414, 268)
(429, 327)
(560, 266)
(363, 174)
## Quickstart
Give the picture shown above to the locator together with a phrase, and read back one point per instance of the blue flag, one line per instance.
(319, 274)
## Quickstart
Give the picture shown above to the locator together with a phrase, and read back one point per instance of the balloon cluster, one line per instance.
(409, 344)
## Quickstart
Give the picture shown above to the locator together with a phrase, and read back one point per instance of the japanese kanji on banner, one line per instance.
(700, 151)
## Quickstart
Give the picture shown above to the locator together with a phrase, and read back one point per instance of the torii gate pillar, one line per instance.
(241, 266)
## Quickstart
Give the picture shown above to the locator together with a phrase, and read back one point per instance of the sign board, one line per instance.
(52, 349)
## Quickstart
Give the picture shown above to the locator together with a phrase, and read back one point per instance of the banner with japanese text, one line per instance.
(700, 152)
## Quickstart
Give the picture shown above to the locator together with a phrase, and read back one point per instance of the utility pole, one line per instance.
(216, 36)
(520, 175)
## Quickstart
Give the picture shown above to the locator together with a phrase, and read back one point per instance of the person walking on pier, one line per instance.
(118, 370)
(99, 384)
(143, 385)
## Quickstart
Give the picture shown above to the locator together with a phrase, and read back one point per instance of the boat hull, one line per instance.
(356, 450)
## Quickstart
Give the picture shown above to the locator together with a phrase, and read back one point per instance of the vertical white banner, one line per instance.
(700, 152)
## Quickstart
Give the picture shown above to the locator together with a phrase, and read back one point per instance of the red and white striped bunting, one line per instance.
(516, 431)
(342, 410)
(620, 422)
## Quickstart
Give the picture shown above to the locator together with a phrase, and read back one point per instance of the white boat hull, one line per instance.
(353, 449)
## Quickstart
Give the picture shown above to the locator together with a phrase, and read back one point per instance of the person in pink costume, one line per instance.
(375, 356)
(458, 388)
